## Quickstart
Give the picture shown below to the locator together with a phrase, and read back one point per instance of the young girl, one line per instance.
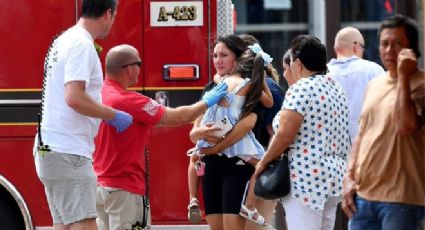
(245, 89)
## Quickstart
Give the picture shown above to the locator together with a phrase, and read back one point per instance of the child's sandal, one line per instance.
(194, 152)
(254, 216)
(194, 211)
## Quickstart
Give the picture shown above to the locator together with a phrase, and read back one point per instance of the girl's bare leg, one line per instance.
(250, 196)
(193, 179)
(194, 212)
(249, 205)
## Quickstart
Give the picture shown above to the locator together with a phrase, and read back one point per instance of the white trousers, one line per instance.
(299, 216)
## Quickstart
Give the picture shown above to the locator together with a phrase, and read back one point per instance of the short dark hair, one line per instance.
(97, 8)
(310, 51)
(410, 28)
(233, 43)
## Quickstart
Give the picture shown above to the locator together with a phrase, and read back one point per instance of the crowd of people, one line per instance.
(354, 133)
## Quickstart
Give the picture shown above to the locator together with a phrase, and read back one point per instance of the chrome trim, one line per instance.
(224, 18)
(76, 11)
(20, 102)
(271, 27)
(19, 200)
(209, 42)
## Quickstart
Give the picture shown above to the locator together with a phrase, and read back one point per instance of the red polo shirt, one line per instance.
(119, 157)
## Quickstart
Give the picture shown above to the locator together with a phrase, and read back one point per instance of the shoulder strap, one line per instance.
(222, 78)
(241, 85)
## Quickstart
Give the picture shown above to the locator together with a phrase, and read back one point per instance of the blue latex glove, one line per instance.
(121, 121)
(215, 94)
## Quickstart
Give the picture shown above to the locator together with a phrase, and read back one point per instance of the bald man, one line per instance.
(352, 72)
(119, 160)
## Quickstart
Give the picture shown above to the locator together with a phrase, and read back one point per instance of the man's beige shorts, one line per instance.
(70, 185)
(119, 209)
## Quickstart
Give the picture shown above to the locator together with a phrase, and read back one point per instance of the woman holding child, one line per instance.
(226, 175)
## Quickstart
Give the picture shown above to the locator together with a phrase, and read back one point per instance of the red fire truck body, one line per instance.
(174, 39)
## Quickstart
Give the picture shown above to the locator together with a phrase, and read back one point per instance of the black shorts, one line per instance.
(224, 184)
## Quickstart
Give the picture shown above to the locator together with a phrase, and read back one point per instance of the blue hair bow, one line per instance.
(256, 48)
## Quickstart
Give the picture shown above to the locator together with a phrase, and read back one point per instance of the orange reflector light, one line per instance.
(181, 72)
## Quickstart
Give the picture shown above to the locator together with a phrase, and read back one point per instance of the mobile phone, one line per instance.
(224, 124)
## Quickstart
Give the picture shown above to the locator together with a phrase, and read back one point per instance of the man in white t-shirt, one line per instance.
(71, 113)
(352, 72)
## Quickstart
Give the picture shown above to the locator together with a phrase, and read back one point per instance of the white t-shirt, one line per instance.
(72, 57)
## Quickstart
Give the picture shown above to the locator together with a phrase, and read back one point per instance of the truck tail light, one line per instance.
(181, 72)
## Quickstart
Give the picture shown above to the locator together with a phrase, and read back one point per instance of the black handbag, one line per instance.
(274, 181)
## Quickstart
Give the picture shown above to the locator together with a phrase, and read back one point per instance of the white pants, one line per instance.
(299, 216)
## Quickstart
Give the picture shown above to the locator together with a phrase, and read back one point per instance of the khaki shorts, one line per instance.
(119, 209)
(70, 185)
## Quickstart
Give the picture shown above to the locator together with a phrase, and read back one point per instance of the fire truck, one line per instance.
(175, 41)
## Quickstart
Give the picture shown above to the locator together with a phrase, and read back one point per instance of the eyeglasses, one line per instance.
(360, 44)
(138, 63)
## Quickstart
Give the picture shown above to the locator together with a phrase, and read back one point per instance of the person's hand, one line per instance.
(209, 136)
(215, 94)
(348, 191)
(209, 151)
(259, 168)
(121, 121)
(407, 63)
(207, 132)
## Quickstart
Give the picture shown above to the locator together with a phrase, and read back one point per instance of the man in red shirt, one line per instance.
(119, 160)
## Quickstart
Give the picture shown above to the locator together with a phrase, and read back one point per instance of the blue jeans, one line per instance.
(372, 215)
